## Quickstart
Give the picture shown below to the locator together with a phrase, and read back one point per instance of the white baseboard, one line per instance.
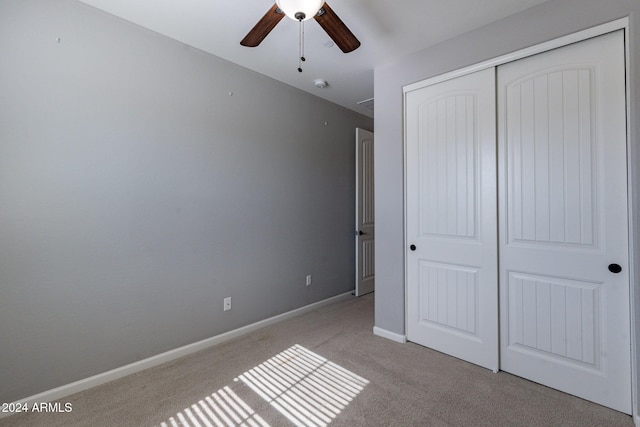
(402, 339)
(96, 380)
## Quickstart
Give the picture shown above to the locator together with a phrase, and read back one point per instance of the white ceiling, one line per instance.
(387, 29)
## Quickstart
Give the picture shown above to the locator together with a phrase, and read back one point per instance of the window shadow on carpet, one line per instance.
(304, 387)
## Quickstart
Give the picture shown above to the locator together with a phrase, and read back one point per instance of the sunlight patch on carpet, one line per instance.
(304, 387)
(221, 409)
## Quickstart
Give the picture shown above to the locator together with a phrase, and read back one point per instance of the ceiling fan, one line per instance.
(302, 10)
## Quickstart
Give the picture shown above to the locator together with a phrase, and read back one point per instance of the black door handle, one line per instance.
(615, 268)
(412, 247)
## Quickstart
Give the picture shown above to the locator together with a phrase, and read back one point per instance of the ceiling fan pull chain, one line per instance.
(301, 50)
(302, 54)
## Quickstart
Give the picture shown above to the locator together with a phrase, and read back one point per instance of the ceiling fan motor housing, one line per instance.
(300, 10)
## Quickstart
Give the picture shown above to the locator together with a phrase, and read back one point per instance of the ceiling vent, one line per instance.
(367, 103)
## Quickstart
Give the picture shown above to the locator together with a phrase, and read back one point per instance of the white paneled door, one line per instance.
(365, 220)
(451, 227)
(564, 263)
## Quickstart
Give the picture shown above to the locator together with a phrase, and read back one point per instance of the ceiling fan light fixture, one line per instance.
(300, 10)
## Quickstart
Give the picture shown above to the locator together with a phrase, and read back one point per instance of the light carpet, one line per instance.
(324, 367)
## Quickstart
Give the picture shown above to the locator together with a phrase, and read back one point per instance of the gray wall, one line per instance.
(136, 193)
(542, 23)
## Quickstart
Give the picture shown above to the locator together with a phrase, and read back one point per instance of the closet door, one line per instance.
(564, 267)
(451, 218)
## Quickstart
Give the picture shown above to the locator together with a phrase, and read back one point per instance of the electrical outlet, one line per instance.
(308, 282)
(227, 303)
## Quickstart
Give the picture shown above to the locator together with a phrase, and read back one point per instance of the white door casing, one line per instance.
(451, 226)
(365, 219)
(564, 219)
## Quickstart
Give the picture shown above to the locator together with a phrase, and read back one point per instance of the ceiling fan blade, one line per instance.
(263, 27)
(336, 29)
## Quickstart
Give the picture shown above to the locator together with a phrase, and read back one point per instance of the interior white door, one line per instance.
(365, 219)
(451, 226)
(563, 191)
